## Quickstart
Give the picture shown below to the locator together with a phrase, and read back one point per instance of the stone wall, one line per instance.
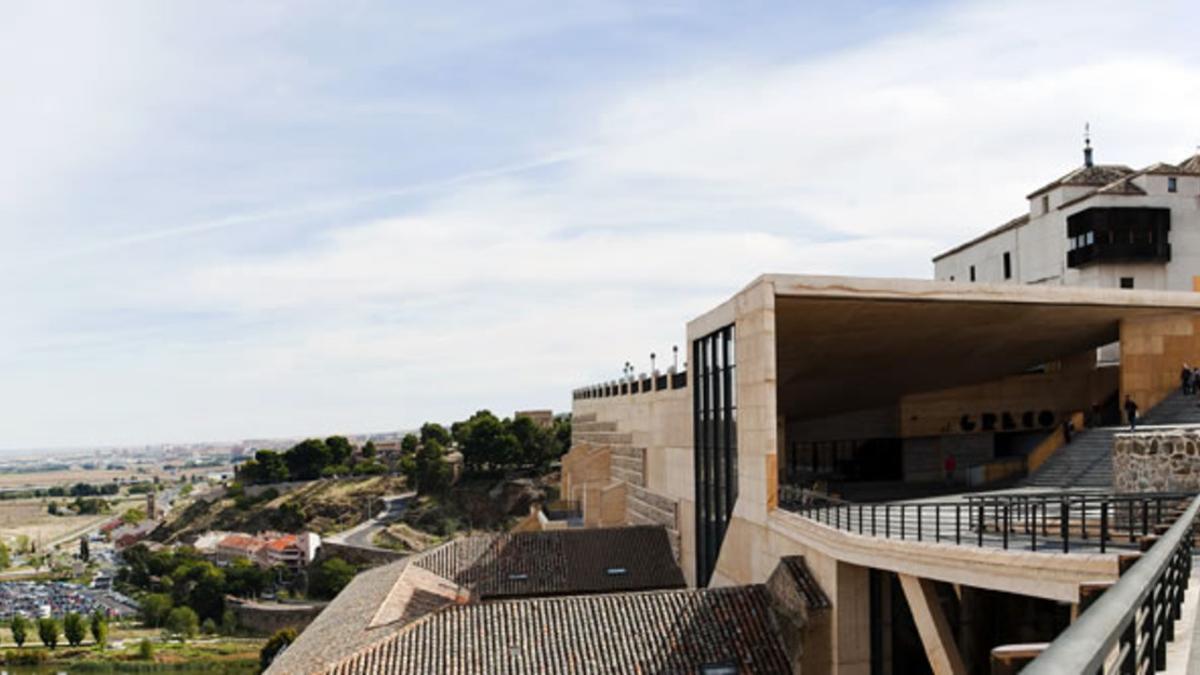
(266, 618)
(1157, 461)
(357, 555)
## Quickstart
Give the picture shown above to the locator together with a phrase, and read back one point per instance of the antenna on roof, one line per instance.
(1087, 144)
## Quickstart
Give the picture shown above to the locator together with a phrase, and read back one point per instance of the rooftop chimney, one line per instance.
(1087, 146)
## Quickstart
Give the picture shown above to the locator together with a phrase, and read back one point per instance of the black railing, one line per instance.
(1135, 618)
(1035, 522)
(671, 380)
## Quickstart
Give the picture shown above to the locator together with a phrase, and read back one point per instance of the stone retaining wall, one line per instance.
(1157, 461)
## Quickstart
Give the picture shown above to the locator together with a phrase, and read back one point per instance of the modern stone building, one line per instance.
(864, 389)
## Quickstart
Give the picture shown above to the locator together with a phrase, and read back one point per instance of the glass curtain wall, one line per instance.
(714, 419)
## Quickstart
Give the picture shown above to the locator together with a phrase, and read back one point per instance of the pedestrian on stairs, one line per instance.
(1131, 412)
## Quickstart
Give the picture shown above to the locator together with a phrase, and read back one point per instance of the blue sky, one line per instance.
(231, 220)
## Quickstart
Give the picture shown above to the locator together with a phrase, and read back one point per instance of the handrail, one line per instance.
(1111, 622)
(1056, 521)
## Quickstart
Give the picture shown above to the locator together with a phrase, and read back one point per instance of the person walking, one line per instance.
(950, 464)
(1131, 413)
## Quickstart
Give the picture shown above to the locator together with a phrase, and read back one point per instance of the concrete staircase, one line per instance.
(1087, 460)
(1084, 462)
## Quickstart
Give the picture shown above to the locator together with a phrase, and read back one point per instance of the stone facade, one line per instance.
(1157, 461)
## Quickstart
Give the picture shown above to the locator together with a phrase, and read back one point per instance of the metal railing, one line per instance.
(1035, 522)
(1127, 628)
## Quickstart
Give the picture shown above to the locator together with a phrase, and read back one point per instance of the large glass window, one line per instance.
(714, 419)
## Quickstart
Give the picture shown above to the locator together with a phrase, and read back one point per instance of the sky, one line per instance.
(228, 220)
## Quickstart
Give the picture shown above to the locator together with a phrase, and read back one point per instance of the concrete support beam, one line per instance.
(933, 626)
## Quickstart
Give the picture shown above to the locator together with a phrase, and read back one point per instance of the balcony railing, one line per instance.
(1119, 252)
(1127, 628)
(1046, 522)
(658, 382)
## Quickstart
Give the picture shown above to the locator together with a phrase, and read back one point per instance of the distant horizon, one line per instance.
(235, 220)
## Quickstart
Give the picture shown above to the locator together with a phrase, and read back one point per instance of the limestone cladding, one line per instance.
(1157, 461)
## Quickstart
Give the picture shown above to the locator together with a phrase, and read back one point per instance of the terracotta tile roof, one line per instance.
(282, 542)
(804, 580)
(1096, 175)
(1191, 164)
(371, 608)
(557, 562)
(650, 632)
(243, 542)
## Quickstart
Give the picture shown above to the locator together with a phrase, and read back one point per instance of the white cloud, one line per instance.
(507, 287)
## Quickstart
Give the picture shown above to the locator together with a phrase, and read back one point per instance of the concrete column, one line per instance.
(936, 634)
(852, 620)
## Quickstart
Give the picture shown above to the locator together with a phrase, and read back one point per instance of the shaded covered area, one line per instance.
(888, 381)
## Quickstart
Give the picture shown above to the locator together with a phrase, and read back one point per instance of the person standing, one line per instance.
(1131, 412)
(950, 464)
(1185, 380)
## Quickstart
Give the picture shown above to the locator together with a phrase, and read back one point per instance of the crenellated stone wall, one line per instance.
(1157, 461)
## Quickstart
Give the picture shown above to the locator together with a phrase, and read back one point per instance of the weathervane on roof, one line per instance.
(1087, 144)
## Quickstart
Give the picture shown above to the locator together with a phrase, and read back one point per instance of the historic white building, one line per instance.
(1103, 225)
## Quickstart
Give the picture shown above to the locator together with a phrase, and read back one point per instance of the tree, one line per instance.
(182, 623)
(330, 577)
(20, 627)
(155, 608)
(307, 459)
(267, 466)
(276, 644)
(48, 632)
(74, 629)
(52, 508)
(408, 444)
(100, 629)
(432, 431)
(340, 450)
(5, 560)
(535, 442)
(427, 470)
(369, 450)
(209, 627)
(487, 442)
(228, 622)
(84, 553)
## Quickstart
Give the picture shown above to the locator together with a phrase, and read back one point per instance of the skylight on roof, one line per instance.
(725, 668)
(616, 571)
(518, 576)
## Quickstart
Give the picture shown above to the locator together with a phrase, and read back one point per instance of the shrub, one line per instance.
(25, 657)
(209, 627)
(275, 645)
(330, 577)
(146, 650)
(182, 623)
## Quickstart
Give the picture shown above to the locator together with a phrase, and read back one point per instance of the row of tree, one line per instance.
(487, 443)
(73, 627)
(311, 459)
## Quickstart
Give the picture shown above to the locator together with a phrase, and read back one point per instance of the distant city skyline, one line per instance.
(250, 220)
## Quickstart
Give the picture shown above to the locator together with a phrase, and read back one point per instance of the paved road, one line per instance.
(363, 535)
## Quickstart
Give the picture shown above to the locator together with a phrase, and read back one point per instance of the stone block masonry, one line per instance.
(1157, 461)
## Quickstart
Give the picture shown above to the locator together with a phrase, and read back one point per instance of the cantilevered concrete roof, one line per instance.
(852, 343)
